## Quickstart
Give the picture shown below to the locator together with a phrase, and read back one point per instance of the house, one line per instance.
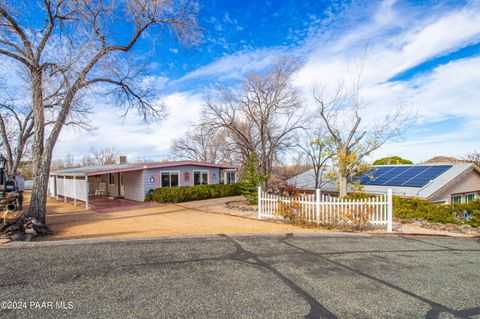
(445, 183)
(134, 181)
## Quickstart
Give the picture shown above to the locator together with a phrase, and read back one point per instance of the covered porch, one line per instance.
(86, 188)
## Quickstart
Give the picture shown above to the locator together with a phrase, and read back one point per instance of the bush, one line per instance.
(435, 213)
(191, 193)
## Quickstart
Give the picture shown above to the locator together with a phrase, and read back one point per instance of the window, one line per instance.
(230, 177)
(111, 179)
(456, 199)
(200, 177)
(469, 197)
(169, 179)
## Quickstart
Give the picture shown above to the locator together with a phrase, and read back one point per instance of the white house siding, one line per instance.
(133, 182)
(149, 183)
(464, 184)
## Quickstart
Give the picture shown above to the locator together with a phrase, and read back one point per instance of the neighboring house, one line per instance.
(134, 181)
(306, 182)
(446, 183)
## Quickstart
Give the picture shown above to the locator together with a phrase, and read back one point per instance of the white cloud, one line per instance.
(397, 41)
(131, 136)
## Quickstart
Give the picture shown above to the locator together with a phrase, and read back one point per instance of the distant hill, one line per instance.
(443, 160)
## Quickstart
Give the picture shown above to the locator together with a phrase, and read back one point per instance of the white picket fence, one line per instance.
(327, 210)
(76, 189)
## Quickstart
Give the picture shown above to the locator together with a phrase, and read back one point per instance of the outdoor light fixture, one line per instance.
(152, 179)
(3, 161)
(187, 175)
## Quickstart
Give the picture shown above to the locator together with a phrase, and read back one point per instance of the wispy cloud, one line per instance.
(397, 39)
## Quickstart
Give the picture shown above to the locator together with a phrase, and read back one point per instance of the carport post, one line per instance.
(259, 191)
(74, 192)
(86, 191)
(389, 210)
(56, 187)
(64, 190)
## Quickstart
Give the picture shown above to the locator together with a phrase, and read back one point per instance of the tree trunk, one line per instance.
(38, 200)
(342, 185)
(41, 163)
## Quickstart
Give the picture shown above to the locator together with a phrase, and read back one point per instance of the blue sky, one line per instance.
(422, 55)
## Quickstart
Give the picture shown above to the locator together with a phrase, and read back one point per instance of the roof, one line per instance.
(116, 168)
(306, 179)
(430, 188)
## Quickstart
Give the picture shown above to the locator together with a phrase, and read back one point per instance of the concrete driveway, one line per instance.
(223, 276)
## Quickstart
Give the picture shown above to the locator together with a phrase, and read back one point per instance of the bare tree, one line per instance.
(473, 157)
(203, 144)
(318, 149)
(63, 163)
(16, 129)
(78, 49)
(262, 117)
(99, 157)
(353, 139)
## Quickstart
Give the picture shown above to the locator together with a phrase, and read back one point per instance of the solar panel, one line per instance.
(405, 175)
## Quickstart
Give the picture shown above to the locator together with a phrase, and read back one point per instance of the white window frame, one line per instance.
(456, 195)
(200, 171)
(169, 178)
(234, 177)
(474, 197)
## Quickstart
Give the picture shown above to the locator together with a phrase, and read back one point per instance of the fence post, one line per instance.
(389, 210)
(259, 191)
(317, 200)
(56, 187)
(86, 191)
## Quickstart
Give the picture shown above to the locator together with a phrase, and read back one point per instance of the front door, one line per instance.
(122, 185)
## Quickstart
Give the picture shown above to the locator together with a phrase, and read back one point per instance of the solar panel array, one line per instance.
(404, 175)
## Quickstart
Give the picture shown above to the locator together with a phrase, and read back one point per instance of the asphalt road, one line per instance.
(244, 277)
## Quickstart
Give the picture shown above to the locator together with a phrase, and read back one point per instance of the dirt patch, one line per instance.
(241, 205)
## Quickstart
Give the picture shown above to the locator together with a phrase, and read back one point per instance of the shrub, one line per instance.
(435, 213)
(191, 193)
(251, 179)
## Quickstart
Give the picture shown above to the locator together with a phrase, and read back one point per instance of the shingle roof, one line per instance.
(306, 180)
(114, 168)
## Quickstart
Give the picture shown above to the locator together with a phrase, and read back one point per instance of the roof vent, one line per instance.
(122, 159)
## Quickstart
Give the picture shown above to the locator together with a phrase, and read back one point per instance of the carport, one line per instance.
(85, 184)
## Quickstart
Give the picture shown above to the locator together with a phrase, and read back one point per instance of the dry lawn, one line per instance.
(75, 222)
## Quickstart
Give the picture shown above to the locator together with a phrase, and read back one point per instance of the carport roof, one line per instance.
(117, 168)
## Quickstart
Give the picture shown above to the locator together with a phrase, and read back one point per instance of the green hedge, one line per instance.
(436, 213)
(191, 193)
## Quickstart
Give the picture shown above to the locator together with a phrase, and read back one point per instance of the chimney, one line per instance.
(121, 159)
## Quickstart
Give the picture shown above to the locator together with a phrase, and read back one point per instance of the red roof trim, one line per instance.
(161, 165)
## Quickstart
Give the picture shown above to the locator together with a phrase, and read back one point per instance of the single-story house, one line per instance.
(442, 183)
(134, 181)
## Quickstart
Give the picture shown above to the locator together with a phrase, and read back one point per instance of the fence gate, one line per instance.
(327, 210)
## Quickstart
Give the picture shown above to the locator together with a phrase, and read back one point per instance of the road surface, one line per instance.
(281, 276)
